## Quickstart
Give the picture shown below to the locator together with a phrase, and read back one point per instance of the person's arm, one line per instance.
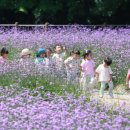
(97, 75)
(67, 63)
(110, 71)
(97, 71)
(110, 78)
(82, 66)
(64, 49)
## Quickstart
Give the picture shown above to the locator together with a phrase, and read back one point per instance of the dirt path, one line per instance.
(120, 97)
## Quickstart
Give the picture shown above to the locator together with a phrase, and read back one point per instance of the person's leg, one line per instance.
(102, 88)
(92, 83)
(69, 78)
(83, 84)
(110, 89)
(88, 83)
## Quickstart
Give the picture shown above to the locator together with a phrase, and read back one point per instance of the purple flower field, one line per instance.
(33, 99)
(21, 111)
(106, 42)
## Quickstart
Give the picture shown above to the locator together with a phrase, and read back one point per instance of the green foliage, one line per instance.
(65, 11)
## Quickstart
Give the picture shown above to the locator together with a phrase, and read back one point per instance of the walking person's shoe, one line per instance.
(111, 95)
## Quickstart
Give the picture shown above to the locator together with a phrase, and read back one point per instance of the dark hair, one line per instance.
(3, 51)
(57, 45)
(87, 53)
(49, 49)
(77, 52)
(108, 61)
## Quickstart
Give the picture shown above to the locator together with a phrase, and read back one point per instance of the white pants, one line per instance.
(87, 83)
(103, 86)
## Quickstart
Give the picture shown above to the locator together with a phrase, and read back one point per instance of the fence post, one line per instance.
(16, 25)
(46, 26)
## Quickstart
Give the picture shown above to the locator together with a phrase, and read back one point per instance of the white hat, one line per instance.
(25, 52)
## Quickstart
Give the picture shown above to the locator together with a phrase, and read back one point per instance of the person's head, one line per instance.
(26, 53)
(107, 61)
(76, 54)
(48, 52)
(4, 53)
(87, 55)
(41, 53)
(58, 49)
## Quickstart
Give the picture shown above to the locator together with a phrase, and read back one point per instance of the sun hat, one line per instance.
(40, 51)
(25, 52)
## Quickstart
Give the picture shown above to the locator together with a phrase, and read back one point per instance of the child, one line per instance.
(128, 79)
(104, 74)
(41, 53)
(4, 55)
(25, 54)
(72, 65)
(58, 60)
(87, 72)
(49, 63)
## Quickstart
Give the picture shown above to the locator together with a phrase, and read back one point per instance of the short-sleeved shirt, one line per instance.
(39, 60)
(73, 65)
(88, 67)
(104, 73)
(2, 60)
(58, 60)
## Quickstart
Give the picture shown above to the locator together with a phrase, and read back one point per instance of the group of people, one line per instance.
(78, 70)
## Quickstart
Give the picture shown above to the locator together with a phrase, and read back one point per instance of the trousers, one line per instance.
(87, 83)
(103, 86)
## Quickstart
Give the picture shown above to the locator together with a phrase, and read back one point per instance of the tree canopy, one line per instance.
(65, 11)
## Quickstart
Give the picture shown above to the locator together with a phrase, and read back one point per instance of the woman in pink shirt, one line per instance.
(88, 72)
(4, 55)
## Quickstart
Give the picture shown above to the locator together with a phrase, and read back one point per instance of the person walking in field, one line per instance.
(49, 65)
(58, 60)
(25, 55)
(49, 62)
(40, 56)
(72, 65)
(3, 55)
(104, 75)
(87, 72)
(25, 62)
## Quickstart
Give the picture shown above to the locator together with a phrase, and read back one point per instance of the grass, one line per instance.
(52, 84)
(34, 82)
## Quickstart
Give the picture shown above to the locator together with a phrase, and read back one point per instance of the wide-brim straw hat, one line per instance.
(25, 52)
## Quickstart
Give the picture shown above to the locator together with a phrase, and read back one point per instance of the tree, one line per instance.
(65, 11)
